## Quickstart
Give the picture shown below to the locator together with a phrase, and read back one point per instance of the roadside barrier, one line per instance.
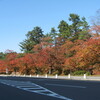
(69, 76)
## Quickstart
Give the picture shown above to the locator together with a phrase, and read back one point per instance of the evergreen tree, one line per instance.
(79, 27)
(53, 34)
(64, 30)
(33, 38)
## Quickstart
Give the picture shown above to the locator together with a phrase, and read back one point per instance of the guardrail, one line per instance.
(84, 77)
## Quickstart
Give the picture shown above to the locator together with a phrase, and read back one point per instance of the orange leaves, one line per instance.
(70, 63)
(95, 30)
(86, 55)
(2, 66)
(11, 56)
(45, 43)
(71, 56)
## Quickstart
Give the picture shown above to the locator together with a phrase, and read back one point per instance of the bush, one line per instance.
(66, 72)
(59, 72)
(80, 72)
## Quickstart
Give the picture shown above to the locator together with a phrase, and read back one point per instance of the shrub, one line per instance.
(80, 72)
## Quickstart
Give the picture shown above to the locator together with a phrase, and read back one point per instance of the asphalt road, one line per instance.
(21, 88)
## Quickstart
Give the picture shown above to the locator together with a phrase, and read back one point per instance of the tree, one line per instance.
(26, 64)
(2, 55)
(64, 30)
(45, 42)
(53, 34)
(95, 28)
(33, 38)
(96, 19)
(27, 45)
(53, 59)
(35, 35)
(2, 66)
(86, 56)
(89, 55)
(79, 27)
(84, 34)
(10, 61)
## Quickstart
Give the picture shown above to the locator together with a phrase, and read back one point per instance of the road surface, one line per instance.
(23, 88)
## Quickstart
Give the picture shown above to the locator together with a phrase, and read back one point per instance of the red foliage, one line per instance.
(2, 66)
(95, 30)
(47, 58)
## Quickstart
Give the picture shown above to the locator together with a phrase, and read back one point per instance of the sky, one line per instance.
(17, 17)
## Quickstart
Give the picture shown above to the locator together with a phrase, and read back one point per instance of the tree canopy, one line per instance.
(72, 47)
(33, 38)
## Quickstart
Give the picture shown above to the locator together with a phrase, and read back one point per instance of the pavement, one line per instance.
(29, 88)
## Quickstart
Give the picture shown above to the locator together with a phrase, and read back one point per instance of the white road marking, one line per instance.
(66, 85)
(32, 87)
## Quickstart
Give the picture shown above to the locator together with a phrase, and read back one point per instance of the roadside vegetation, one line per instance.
(73, 47)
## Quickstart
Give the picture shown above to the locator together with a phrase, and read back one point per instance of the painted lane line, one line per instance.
(26, 86)
(66, 85)
(32, 87)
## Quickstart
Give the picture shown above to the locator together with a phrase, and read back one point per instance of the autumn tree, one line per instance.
(10, 61)
(26, 64)
(96, 19)
(95, 28)
(53, 58)
(70, 51)
(45, 42)
(70, 48)
(89, 55)
(86, 56)
(2, 66)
